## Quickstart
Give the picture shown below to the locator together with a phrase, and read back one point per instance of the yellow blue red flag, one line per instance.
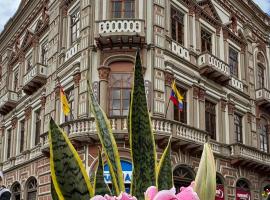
(64, 101)
(176, 97)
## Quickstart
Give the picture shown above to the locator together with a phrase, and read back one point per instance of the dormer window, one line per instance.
(123, 8)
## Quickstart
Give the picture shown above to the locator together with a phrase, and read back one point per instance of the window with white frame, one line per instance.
(44, 53)
(75, 25)
(233, 61)
(37, 124)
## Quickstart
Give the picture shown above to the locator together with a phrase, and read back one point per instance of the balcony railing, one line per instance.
(214, 68)
(120, 32)
(237, 84)
(181, 51)
(263, 97)
(72, 51)
(34, 78)
(249, 155)
(8, 101)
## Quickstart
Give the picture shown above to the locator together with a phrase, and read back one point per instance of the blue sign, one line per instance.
(127, 172)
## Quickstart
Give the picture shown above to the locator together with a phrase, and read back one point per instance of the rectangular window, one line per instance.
(260, 77)
(206, 41)
(210, 119)
(233, 61)
(16, 81)
(29, 62)
(177, 25)
(8, 143)
(44, 53)
(238, 128)
(181, 116)
(37, 126)
(22, 130)
(123, 8)
(70, 97)
(120, 89)
(75, 26)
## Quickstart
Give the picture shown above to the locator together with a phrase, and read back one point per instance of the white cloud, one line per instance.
(7, 10)
(264, 4)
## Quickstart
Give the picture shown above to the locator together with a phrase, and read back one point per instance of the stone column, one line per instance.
(35, 54)
(248, 132)
(222, 121)
(202, 108)
(243, 62)
(42, 111)
(27, 128)
(2, 139)
(198, 32)
(218, 29)
(226, 45)
(168, 82)
(103, 72)
(232, 136)
(194, 108)
(190, 26)
(76, 79)
(14, 123)
(22, 69)
(63, 40)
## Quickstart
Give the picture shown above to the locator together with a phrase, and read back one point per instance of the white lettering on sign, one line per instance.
(126, 177)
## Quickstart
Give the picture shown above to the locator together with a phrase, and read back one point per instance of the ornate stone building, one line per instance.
(216, 50)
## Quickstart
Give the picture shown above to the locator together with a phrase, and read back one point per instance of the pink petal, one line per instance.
(166, 195)
(151, 193)
(98, 197)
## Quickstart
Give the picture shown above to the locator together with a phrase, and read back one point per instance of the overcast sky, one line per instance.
(9, 7)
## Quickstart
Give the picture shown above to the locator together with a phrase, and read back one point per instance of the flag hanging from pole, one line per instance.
(64, 102)
(176, 97)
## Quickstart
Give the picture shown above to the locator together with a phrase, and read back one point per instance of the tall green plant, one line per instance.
(205, 181)
(108, 143)
(164, 170)
(101, 188)
(69, 176)
(142, 141)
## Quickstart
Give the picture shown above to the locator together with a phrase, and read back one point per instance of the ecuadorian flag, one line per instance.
(64, 101)
(176, 97)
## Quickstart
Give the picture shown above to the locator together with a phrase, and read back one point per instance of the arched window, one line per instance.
(31, 188)
(120, 88)
(260, 77)
(242, 190)
(16, 191)
(220, 188)
(263, 135)
(182, 177)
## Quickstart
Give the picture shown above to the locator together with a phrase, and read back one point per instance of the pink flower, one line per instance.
(188, 193)
(150, 193)
(122, 196)
(98, 197)
(166, 195)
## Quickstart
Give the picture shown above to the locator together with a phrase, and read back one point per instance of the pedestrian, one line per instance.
(5, 194)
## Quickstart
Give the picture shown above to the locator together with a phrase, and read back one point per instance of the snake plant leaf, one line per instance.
(164, 170)
(142, 141)
(69, 176)
(108, 143)
(101, 188)
(205, 181)
(53, 192)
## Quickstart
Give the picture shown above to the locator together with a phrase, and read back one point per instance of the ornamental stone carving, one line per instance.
(202, 94)
(77, 75)
(168, 77)
(28, 112)
(196, 91)
(14, 121)
(223, 105)
(231, 108)
(104, 73)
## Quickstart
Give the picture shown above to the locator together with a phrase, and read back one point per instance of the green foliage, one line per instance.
(101, 188)
(165, 175)
(69, 177)
(108, 143)
(141, 137)
(205, 181)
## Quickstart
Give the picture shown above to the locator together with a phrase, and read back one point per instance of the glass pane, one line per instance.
(125, 112)
(115, 112)
(116, 94)
(116, 9)
(129, 9)
(126, 94)
(125, 104)
(116, 104)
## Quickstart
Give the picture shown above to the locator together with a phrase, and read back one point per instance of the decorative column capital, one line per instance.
(104, 72)
(223, 105)
(76, 76)
(202, 94)
(21, 57)
(225, 34)
(191, 10)
(196, 91)
(43, 99)
(28, 112)
(35, 41)
(168, 77)
(218, 30)
(64, 10)
(231, 108)
(249, 117)
(14, 121)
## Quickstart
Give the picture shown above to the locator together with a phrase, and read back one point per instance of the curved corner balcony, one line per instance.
(120, 33)
(184, 137)
(214, 68)
(8, 101)
(263, 97)
(250, 157)
(34, 79)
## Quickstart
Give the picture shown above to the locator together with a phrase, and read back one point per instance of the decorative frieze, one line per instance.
(104, 73)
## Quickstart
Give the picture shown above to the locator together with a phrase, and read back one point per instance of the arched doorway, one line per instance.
(243, 190)
(31, 189)
(265, 192)
(16, 191)
(220, 195)
(182, 176)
